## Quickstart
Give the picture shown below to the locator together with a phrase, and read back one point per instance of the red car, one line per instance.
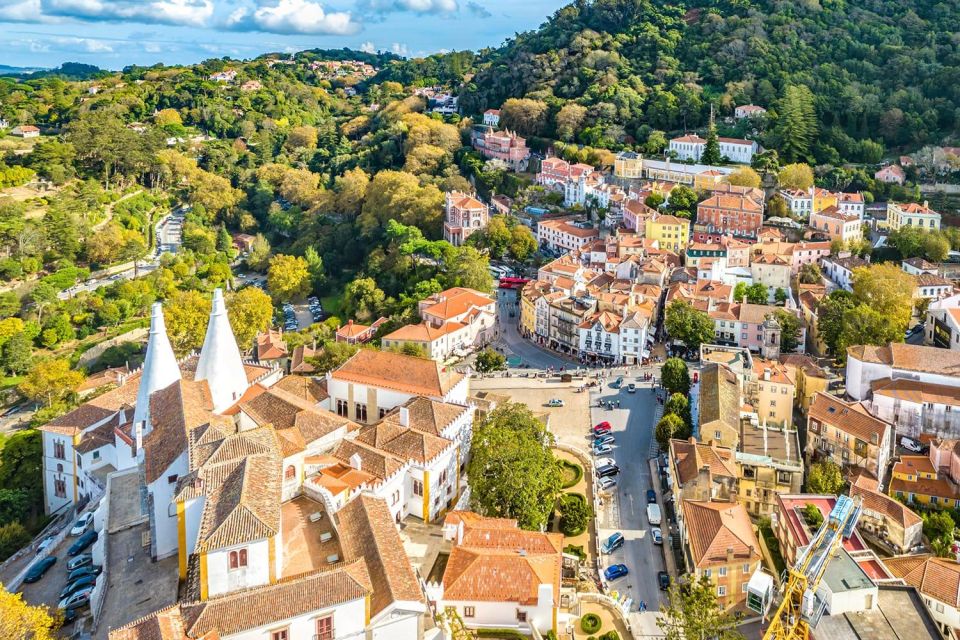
(603, 427)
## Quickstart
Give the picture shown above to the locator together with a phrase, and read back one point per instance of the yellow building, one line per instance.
(823, 198)
(916, 480)
(672, 232)
(528, 310)
(708, 180)
(810, 378)
(912, 215)
(846, 433)
(769, 462)
(774, 393)
(628, 165)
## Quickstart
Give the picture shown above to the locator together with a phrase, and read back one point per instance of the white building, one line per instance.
(491, 118)
(600, 338)
(748, 111)
(563, 234)
(692, 146)
(936, 579)
(524, 595)
(942, 326)
(929, 365)
(840, 270)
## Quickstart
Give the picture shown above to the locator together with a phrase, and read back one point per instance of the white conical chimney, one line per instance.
(160, 370)
(220, 363)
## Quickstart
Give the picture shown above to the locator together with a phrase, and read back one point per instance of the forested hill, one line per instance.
(886, 70)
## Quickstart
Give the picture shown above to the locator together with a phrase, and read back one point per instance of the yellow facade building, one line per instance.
(672, 232)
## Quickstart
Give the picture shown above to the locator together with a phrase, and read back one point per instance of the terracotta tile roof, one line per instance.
(920, 263)
(424, 332)
(341, 477)
(778, 372)
(102, 435)
(114, 375)
(408, 374)
(883, 504)
(313, 390)
(352, 329)
(403, 442)
(96, 409)
(426, 415)
(713, 528)
(914, 464)
(939, 487)
(379, 462)
(719, 396)
(834, 212)
(690, 457)
(690, 137)
(270, 345)
(470, 518)
(910, 357)
(455, 302)
(755, 313)
(732, 202)
(740, 141)
(916, 392)
(804, 362)
(932, 280)
(465, 201)
(937, 578)
(850, 418)
(367, 531)
(286, 411)
(166, 624)
(499, 563)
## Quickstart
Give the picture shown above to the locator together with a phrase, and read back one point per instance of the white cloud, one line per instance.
(399, 49)
(195, 13)
(414, 6)
(294, 17)
(22, 11)
(367, 47)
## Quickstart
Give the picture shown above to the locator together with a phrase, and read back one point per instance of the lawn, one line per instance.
(332, 305)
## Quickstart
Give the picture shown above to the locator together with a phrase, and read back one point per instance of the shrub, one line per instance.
(576, 550)
(571, 472)
(590, 623)
(503, 634)
(574, 514)
(13, 536)
(610, 635)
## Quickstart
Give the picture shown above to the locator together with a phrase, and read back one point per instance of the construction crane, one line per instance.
(799, 604)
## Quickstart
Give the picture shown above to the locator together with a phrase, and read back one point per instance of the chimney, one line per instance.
(159, 370)
(355, 461)
(220, 363)
(766, 373)
(405, 416)
(729, 555)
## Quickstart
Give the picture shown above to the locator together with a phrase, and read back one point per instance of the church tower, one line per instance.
(220, 363)
(160, 370)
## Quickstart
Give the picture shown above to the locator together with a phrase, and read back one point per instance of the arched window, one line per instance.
(290, 473)
(238, 559)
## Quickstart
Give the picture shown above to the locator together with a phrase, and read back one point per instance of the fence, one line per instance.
(62, 521)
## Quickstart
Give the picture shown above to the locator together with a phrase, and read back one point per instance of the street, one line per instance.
(633, 428)
(513, 344)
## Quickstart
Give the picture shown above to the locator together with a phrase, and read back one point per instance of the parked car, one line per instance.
(80, 583)
(657, 535)
(663, 579)
(616, 384)
(81, 560)
(910, 444)
(615, 571)
(653, 514)
(603, 427)
(605, 462)
(606, 472)
(39, 568)
(89, 570)
(555, 402)
(82, 543)
(606, 439)
(602, 449)
(607, 483)
(651, 496)
(631, 388)
(77, 600)
(81, 524)
(611, 544)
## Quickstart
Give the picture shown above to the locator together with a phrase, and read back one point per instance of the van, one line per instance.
(653, 513)
(611, 544)
(910, 444)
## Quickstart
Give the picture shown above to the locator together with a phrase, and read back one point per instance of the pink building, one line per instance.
(809, 253)
(463, 215)
(502, 145)
(891, 174)
(558, 171)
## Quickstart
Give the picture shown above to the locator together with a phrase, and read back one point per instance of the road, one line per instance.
(168, 233)
(633, 428)
(513, 344)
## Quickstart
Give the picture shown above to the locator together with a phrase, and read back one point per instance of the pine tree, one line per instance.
(711, 152)
(796, 123)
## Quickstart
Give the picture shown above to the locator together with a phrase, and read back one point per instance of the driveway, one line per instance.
(625, 511)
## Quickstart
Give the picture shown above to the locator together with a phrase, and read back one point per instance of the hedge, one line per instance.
(590, 623)
(503, 634)
(569, 469)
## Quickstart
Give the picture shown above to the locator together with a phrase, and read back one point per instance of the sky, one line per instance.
(114, 33)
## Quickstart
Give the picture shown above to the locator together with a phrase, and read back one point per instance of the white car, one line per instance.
(80, 526)
(607, 483)
(604, 462)
(555, 402)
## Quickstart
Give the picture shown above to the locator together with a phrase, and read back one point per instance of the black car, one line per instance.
(82, 543)
(89, 570)
(663, 579)
(76, 585)
(608, 471)
(651, 496)
(39, 568)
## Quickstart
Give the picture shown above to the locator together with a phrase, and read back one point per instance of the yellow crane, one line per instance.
(799, 604)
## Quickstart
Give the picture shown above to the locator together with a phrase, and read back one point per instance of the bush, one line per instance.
(576, 550)
(574, 514)
(503, 634)
(610, 635)
(590, 623)
(13, 536)
(571, 472)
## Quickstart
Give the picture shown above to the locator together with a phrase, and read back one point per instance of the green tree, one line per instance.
(811, 513)
(224, 241)
(789, 330)
(363, 300)
(757, 293)
(490, 360)
(333, 355)
(683, 201)
(679, 405)
(780, 295)
(675, 376)
(938, 524)
(512, 471)
(315, 267)
(21, 467)
(288, 277)
(830, 323)
(796, 124)
(810, 274)
(526, 117)
(523, 243)
(744, 177)
(692, 612)
(824, 478)
(711, 150)
(50, 381)
(259, 257)
(15, 355)
(469, 268)
(691, 326)
(250, 311)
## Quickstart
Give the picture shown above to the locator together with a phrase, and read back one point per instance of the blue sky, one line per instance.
(115, 33)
